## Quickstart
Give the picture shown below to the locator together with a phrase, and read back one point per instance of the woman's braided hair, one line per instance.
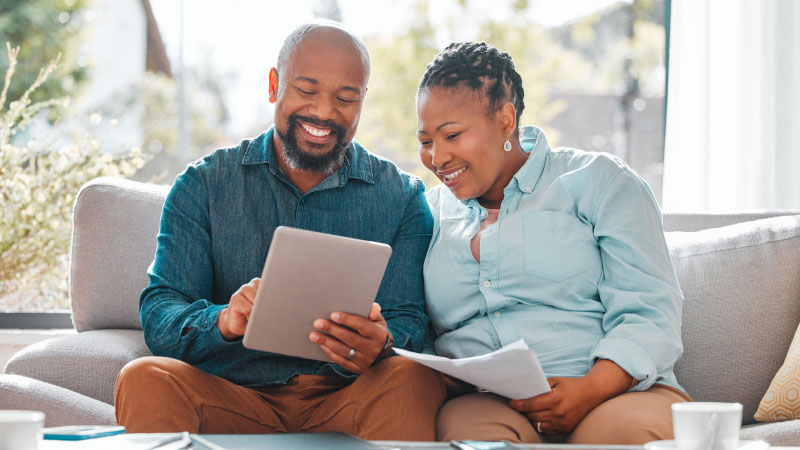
(482, 68)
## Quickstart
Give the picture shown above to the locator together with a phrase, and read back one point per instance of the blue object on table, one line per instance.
(80, 432)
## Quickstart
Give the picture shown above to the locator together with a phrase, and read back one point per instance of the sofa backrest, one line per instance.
(741, 285)
(697, 221)
(116, 222)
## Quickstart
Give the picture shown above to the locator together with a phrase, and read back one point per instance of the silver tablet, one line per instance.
(309, 275)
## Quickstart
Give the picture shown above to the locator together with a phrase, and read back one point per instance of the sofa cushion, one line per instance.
(741, 285)
(782, 400)
(61, 406)
(87, 363)
(779, 433)
(116, 222)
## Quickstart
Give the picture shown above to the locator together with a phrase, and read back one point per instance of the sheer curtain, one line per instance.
(733, 106)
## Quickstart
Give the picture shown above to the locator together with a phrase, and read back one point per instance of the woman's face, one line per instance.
(461, 141)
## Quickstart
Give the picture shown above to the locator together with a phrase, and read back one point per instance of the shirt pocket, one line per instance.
(554, 245)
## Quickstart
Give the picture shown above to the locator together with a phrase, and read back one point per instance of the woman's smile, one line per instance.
(452, 177)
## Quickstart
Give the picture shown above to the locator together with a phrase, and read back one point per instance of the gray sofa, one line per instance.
(740, 275)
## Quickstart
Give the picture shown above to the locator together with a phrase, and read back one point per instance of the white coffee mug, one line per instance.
(20, 430)
(706, 425)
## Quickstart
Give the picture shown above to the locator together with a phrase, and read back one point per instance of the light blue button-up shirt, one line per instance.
(576, 265)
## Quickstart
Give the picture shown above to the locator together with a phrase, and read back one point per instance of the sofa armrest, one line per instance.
(87, 363)
(775, 433)
(115, 224)
(60, 406)
(741, 308)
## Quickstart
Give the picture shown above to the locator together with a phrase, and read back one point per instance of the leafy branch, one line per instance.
(38, 184)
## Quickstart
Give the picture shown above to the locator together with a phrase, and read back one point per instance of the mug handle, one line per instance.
(711, 432)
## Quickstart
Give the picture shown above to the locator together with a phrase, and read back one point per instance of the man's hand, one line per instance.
(233, 320)
(366, 336)
(570, 399)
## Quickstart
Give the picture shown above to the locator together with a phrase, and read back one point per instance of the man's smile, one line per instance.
(315, 131)
(316, 134)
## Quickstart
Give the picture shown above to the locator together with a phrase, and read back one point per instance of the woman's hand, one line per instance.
(570, 400)
(560, 410)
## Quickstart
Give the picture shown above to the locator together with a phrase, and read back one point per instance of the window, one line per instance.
(174, 80)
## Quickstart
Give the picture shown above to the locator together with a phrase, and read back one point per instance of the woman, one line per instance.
(563, 248)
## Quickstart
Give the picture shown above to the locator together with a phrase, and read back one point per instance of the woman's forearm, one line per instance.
(608, 380)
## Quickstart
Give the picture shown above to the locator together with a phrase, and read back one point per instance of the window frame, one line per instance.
(35, 320)
(667, 18)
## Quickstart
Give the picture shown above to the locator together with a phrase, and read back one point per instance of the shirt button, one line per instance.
(487, 283)
(498, 314)
(527, 189)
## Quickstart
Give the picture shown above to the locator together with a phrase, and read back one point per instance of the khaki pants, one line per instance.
(633, 418)
(395, 400)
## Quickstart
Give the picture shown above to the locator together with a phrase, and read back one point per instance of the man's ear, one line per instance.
(273, 85)
(507, 116)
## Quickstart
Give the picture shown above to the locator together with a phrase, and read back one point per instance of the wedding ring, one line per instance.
(539, 427)
(351, 354)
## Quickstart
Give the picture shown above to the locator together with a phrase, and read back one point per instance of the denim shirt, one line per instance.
(576, 265)
(216, 228)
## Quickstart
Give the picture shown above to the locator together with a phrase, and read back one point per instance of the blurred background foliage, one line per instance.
(44, 29)
(155, 98)
(39, 179)
(587, 56)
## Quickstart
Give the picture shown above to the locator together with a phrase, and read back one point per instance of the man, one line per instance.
(307, 172)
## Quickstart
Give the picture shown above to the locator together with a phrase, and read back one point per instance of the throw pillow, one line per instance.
(782, 400)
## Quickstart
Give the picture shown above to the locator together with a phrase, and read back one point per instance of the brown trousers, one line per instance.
(633, 418)
(395, 400)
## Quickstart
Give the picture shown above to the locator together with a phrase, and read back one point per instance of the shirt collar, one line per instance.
(357, 164)
(534, 143)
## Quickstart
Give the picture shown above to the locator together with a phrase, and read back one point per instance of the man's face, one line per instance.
(318, 100)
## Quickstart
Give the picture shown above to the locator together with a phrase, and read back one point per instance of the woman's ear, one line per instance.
(273, 85)
(507, 116)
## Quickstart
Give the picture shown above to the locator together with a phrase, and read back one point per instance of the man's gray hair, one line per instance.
(300, 32)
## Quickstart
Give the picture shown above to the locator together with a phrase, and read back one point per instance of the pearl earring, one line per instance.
(507, 146)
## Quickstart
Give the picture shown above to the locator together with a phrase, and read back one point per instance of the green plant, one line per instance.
(38, 183)
(44, 29)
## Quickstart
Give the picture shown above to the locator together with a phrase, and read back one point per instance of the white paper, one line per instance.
(512, 371)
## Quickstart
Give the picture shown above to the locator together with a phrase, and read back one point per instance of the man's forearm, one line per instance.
(179, 329)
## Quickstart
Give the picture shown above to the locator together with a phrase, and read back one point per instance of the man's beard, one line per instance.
(299, 159)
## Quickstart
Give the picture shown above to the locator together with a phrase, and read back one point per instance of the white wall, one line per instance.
(117, 55)
(117, 48)
(115, 51)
